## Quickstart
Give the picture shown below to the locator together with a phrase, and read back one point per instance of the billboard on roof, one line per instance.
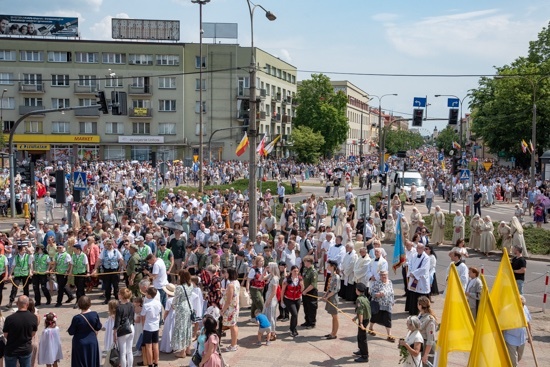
(145, 29)
(25, 25)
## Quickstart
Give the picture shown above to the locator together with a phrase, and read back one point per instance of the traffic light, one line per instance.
(418, 114)
(153, 159)
(454, 165)
(27, 173)
(453, 116)
(102, 102)
(383, 178)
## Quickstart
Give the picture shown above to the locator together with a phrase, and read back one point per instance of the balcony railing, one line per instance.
(26, 109)
(140, 112)
(244, 93)
(261, 115)
(86, 89)
(140, 89)
(287, 118)
(90, 111)
(31, 88)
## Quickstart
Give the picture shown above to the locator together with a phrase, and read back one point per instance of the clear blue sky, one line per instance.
(353, 36)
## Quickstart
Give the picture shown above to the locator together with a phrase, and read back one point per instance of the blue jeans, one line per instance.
(162, 297)
(520, 285)
(429, 205)
(24, 361)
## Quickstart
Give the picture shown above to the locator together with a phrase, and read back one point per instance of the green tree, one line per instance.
(502, 107)
(322, 110)
(445, 139)
(397, 140)
(307, 144)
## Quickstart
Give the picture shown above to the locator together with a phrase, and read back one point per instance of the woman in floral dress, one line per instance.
(230, 307)
(271, 302)
(382, 292)
(183, 328)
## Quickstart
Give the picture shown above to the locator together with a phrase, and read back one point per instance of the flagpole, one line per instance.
(530, 339)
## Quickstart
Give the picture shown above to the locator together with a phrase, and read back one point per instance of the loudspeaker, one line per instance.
(60, 187)
(76, 196)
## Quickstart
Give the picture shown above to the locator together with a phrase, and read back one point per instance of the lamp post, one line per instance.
(2, 108)
(201, 31)
(252, 128)
(460, 140)
(381, 142)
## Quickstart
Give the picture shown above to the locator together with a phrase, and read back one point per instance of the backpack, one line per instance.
(538, 211)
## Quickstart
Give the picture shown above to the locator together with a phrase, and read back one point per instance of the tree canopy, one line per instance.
(397, 140)
(445, 139)
(307, 144)
(502, 107)
(322, 110)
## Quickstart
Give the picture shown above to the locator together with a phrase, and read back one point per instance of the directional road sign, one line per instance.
(79, 181)
(464, 174)
(420, 101)
(453, 102)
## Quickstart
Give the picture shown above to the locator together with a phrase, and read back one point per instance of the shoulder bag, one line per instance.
(194, 317)
(90, 325)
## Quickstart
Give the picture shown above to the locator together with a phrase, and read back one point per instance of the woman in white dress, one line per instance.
(413, 342)
(438, 230)
(378, 225)
(348, 232)
(488, 240)
(458, 226)
(341, 214)
(505, 233)
(475, 232)
(390, 228)
(166, 340)
(415, 221)
(517, 235)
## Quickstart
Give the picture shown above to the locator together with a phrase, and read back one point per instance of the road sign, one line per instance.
(464, 174)
(463, 162)
(79, 179)
(441, 157)
(363, 205)
(420, 101)
(453, 102)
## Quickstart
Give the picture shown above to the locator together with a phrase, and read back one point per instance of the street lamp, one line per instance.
(2, 109)
(252, 128)
(460, 140)
(381, 142)
(201, 31)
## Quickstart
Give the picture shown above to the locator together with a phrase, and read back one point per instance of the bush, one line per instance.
(241, 185)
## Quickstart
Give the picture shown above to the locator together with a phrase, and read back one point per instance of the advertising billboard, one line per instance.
(23, 25)
(145, 29)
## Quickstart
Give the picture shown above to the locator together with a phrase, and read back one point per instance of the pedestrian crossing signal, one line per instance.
(453, 116)
(418, 115)
(102, 102)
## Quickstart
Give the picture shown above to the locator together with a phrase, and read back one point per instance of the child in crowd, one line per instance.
(151, 323)
(199, 349)
(49, 351)
(264, 326)
(298, 258)
(165, 342)
(108, 325)
(197, 302)
(138, 326)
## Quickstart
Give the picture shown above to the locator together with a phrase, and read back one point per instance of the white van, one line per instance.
(395, 182)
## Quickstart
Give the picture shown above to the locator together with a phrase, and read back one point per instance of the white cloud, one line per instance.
(102, 30)
(286, 55)
(385, 17)
(95, 4)
(480, 34)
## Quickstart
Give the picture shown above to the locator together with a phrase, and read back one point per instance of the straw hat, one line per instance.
(169, 289)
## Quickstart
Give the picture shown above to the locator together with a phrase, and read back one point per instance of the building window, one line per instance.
(113, 82)
(8, 125)
(198, 62)
(59, 80)
(6, 78)
(59, 56)
(115, 128)
(135, 59)
(86, 102)
(197, 129)
(171, 60)
(34, 56)
(33, 102)
(138, 82)
(33, 127)
(140, 153)
(167, 128)
(198, 83)
(167, 105)
(197, 107)
(61, 127)
(293, 79)
(167, 82)
(114, 153)
(113, 58)
(267, 89)
(88, 127)
(267, 69)
(7, 55)
(141, 128)
(141, 103)
(32, 79)
(8, 103)
(86, 57)
(60, 102)
(87, 80)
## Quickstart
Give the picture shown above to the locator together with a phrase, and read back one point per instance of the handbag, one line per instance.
(196, 358)
(194, 317)
(374, 307)
(124, 328)
(114, 356)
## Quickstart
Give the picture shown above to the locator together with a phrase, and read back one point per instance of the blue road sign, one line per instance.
(441, 157)
(453, 102)
(463, 162)
(79, 179)
(464, 174)
(420, 101)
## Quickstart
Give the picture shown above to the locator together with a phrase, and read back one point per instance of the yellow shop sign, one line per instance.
(33, 146)
(40, 139)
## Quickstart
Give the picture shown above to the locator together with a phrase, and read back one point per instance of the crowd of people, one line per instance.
(175, 274)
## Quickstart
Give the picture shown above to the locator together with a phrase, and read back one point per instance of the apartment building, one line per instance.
(153, 89)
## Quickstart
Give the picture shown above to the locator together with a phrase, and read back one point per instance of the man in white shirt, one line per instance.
(361, 267)
(110, 259)
(419, 279)
(321, 212)
(289, 256)
(348, 275)
(335, 253)
(377, 265)
(158, 273)
(151, 311)
(461, 268)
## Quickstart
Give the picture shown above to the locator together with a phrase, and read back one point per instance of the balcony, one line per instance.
(92, 111)
(140, 89)
(86, 89)
(276, 97)
(287, 118)
(287, 100)
(244, 93)
(276, 117)
(26, 109)
(140, 112)
(243, 115)
(31, 88)
(261, 115)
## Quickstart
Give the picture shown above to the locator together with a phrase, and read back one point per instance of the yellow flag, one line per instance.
(505, 297)
(456, 332)
(488, 348)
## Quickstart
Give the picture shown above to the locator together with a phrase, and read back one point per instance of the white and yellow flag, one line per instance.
(269, 147)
